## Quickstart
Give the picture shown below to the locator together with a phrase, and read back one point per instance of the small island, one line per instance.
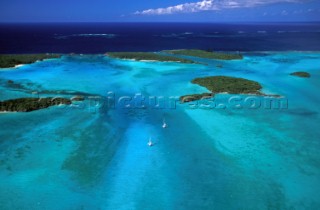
(78, 98)
(205, 54)
(195, 97)
(232, 85)
(147, 56)
(31, 104)
(224, 84)
(9, 61)
(301, 74)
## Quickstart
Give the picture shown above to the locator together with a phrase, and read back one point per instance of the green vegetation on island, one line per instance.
(147, 56)
(31, 104)
(232, 85)
(301, 74)
(205, 54)
(11, 60)
(224, 84)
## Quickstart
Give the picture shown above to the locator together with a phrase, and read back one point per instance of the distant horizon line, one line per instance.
(167, 22)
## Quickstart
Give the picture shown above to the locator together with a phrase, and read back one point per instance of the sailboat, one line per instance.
(150, 144)
(164, 124)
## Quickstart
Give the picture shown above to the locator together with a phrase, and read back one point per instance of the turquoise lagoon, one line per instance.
(87, 157)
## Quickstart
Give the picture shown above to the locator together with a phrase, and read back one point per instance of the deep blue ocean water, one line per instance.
(103, 37)
(95, 157)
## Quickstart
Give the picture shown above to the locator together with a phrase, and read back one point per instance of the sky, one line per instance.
(159, 10)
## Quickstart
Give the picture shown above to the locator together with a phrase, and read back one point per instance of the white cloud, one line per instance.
(211, 5)
(181, 8)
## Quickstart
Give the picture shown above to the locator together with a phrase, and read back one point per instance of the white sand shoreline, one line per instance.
(6, 112)
(17, 66)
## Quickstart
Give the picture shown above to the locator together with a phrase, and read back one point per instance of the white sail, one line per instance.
(164, 124)
(150, 144)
